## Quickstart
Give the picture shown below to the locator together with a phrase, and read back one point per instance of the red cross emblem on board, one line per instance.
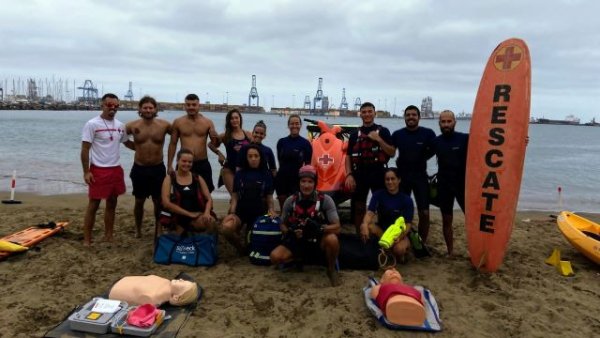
(508, 58)
(326, 159)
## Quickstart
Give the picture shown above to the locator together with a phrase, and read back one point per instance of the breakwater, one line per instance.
(124, 105)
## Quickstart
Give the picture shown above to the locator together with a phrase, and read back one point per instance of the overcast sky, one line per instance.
(381, 51)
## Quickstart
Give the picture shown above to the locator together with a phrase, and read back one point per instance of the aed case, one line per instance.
(86, 320)
(119, 325)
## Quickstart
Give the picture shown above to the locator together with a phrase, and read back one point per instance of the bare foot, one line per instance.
(87, 244)
(138, 234)
(107, 239)
(334, 278)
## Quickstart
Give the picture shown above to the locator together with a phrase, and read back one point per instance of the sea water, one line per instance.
(44, 147)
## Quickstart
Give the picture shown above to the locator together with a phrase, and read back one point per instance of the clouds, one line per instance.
(378, 50)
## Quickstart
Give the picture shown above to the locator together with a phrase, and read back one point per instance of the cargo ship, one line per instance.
(569, 120)
(592, 123)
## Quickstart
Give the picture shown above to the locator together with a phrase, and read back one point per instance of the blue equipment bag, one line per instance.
(194, 250)
(263, 237)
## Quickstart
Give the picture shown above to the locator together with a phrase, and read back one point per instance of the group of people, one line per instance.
(309, 218)
(368, 154)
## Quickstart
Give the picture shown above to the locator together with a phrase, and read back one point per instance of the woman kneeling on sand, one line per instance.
(186, 196)
(252, 196)
(389, 204)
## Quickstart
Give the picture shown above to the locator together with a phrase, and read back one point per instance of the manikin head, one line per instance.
(392, 276)
(183, 292)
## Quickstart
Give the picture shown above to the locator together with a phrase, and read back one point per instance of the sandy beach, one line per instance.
(526, 298)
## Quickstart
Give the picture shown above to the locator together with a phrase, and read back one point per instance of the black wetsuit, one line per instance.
(292, 153)
(413, 153)
(252, 186)
(451, 152)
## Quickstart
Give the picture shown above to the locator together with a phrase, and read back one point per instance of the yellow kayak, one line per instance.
(582, 233)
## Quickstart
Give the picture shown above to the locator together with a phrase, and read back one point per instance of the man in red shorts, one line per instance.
(102, 171)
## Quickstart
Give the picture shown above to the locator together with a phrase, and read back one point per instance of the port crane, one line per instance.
(253, 93)
(89, 93)
(344, 103)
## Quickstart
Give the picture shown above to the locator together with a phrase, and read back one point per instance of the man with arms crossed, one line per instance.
(193, 129)
(148, 171)
(102, 171)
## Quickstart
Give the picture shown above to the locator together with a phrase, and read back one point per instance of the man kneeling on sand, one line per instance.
(310, 226)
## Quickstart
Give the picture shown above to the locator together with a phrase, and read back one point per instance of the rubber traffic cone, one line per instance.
(565, 268)
(554, 258)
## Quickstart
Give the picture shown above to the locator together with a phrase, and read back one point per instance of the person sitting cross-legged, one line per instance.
(252, 196)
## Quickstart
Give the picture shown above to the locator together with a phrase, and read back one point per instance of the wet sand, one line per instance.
(525, 298)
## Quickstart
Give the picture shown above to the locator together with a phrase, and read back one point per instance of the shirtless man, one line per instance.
(148, 171)
(194, 129)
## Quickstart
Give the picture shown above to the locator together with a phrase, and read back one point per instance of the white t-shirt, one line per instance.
(105, 137)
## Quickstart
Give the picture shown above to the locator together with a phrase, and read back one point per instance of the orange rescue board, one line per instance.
(496, 153)
(31, 236)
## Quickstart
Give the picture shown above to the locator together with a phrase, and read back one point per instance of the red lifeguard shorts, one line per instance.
(108, 182)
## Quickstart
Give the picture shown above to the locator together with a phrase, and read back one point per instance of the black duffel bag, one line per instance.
(356, 255)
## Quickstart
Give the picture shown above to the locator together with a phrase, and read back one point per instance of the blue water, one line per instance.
(44, 146)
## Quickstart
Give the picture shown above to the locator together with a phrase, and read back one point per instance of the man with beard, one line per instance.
(102, 171)
(194, 129)
(450, 149)
(413, 144)
(310, 227)
(148, 171)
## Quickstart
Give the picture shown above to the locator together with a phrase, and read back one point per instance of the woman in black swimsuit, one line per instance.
(234, 139)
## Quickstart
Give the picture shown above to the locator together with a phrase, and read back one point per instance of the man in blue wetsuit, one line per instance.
(450, 149)
(369, 149)
(413, 142)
